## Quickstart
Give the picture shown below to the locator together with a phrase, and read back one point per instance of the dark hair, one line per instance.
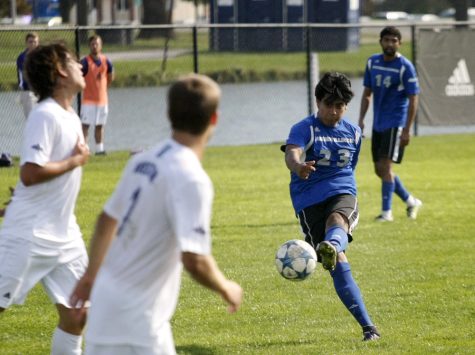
(391, 31)
(31, 35)
(93, 37)
(192, 101)
(41, 68)
(334, 86)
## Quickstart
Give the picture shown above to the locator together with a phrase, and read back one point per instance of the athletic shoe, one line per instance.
(413, 210)
(384, 218)
(370, 333)
(327, 254)
(101, 153)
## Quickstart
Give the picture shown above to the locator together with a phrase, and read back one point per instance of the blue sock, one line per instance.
(387, 191)
(337, 237)
(349, 293)
(400, 190)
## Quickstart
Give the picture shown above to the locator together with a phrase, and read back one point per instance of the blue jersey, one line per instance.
(335, 150)
(20, 62)
(391, 83)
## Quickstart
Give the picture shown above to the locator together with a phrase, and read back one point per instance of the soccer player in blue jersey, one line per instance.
(392, 81)
(321, 153)
(27, 97)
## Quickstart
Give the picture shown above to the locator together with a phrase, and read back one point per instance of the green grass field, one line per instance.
(416, 276)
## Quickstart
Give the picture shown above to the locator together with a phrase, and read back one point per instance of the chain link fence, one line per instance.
(267, 74)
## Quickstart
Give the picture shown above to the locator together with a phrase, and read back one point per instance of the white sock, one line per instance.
(100, 147)
(66, 343)
(411, 201)
(387, 214)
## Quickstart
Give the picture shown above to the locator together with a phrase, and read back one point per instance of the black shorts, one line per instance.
(387, 144)
(313, 218)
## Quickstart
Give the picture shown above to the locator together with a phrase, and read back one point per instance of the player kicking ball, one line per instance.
(321, 153)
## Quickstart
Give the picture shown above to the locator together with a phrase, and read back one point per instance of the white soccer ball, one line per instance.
(296, 260)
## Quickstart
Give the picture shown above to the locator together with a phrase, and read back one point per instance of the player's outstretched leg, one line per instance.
(350, 295)
(336, 241)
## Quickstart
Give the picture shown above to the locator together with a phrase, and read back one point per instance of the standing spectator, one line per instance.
(321, 153)
(40, 240)
(27, 97)
(392, 79)
(99, 74)
(156, 222)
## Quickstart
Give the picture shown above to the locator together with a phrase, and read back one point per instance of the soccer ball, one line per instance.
(296, 260)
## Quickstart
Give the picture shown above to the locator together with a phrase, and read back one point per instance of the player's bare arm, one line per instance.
(292, 160)
(31, 173)
(365, 102)
(204, 270)
(105, 231)
(110, 78)
(411, 116)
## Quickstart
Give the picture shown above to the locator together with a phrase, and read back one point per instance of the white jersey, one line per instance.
(45, 211)
(163, 208)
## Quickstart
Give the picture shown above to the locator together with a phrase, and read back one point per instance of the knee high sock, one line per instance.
(387, 192)
(337, 237)
(400, 190)
(66, 343)
(349, 293)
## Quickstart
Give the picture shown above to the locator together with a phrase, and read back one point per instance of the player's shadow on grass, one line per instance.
(194, 350)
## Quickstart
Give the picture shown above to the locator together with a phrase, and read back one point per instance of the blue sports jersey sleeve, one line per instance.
(411, 83)
(356, 154)
(110, 67)
(300, 133)
(367, 74)
(20, 62)
(85, 66)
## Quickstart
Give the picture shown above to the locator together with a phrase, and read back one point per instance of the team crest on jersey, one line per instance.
(199, 230)
(37, 147)
(147, 169)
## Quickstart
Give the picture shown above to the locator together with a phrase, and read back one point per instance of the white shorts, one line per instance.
(93, 115)
(21, 269)
(164, 346)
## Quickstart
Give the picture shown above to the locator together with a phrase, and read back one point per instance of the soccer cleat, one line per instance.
(370, 333)
(327, 254)
(413, 210)
(384, 218)
(101, 153)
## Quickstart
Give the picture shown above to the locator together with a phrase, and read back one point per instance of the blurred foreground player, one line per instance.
(156, 222)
